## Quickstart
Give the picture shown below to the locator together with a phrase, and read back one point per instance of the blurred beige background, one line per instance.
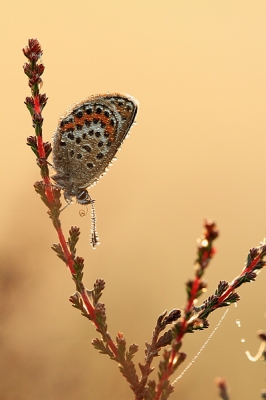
(197, 69)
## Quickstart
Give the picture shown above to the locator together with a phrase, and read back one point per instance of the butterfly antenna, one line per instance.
(94, 234)
(82, 213)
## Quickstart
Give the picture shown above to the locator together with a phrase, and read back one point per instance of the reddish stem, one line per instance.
(91, 312)
(87, 303)
(113, 347)
(46, 180)
(193, 294)
(40, 147)
(37, 107)
(48, 189)
(70, 262)
(235, 281)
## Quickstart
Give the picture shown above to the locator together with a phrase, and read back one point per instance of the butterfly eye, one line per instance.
(83, 197)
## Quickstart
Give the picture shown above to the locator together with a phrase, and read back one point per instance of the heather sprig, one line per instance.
(50, 194)
(195, 318)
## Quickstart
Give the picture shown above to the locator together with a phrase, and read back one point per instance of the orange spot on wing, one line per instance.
(85, 117)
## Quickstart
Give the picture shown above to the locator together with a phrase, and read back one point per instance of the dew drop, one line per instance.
(238, 323)
(204, 243)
